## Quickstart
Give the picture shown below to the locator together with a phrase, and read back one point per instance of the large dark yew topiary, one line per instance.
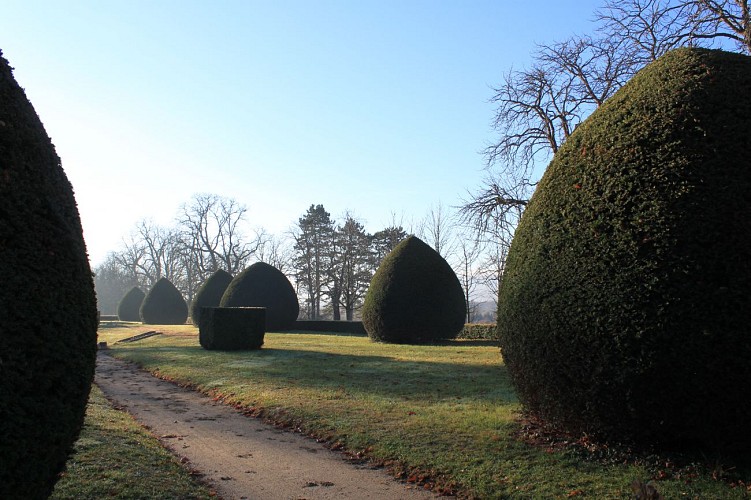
(164, 305)
(625, 307)
(130, 305)
(263, 285)
(414, 297)
(48, 315)
(209, 294)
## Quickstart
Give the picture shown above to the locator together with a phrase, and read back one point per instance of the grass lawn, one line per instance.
(443, 413)
(116, 458)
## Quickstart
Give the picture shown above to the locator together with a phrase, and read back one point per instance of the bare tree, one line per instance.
(652, 27)
(162, 252)
(132, 259)
(493, 214)
(111, 282)
(436, 230)
(469, 250)
(211, 229)
(276, 251)
(537, 109)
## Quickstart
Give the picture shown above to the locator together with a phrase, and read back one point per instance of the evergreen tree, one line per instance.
(354, 265)
(313, 242)
(385, 240)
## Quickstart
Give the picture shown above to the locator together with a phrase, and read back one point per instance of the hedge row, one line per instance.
(330, 326)
(471, 331)
(478, 331)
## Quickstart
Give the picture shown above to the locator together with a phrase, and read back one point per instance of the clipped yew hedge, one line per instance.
(209, 294)
(414, 297)
(479, 331)
(164, 305)
(353, 327)
(625, 306)
(130, 305)
(232, 328)
(47, 304)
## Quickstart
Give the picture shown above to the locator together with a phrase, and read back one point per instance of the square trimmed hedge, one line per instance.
(232, 328)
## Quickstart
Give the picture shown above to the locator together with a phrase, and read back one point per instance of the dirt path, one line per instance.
(241, 457)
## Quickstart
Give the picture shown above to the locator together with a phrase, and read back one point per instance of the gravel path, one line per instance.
(240, 457)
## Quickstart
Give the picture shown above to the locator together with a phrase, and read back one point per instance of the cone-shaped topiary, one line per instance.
(164, 305)
(209, 294)
(130, 305)
(263, 285)
(414, 297)
(625, 306)
(47, 304)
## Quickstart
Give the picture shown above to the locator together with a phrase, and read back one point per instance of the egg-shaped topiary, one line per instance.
(209, 294)
(130, 305)
(414, 297)
(47, 304)
(625, 306)
(263, 285)
(164, 305)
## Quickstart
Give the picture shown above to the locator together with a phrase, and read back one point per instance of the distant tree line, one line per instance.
(331, 262)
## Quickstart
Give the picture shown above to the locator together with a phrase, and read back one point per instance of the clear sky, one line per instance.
(368, 106)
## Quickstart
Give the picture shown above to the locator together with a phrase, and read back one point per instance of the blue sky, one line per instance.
(372, 107)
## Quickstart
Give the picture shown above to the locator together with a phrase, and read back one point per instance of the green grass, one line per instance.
(444, 412)
(116, 458)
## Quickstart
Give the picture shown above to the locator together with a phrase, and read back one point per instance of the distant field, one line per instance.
(439, 414)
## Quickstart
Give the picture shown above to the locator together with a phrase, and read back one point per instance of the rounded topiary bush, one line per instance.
(164, 305)
(47, 304)
(625, 306)
(209, 294)
(263, 285)
(130, 305)
(414, 297)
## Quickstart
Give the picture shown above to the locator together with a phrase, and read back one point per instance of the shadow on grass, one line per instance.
(381, 376)
(457, 342)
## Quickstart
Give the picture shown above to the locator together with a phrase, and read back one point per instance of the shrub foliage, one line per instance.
(353, 327)
(624, 309)
(414, 297)
(263, 285)
(209, 294)
(479, 331)
(232, 328)
(47, 304)
(164, 305)
(130, 305)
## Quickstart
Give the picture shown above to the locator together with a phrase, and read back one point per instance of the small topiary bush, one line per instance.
(209, 294)
(164, 305)
(625, 306)
(48, 313)
(414, 297)
(232, 328)
(263, 285)
(130, 305)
